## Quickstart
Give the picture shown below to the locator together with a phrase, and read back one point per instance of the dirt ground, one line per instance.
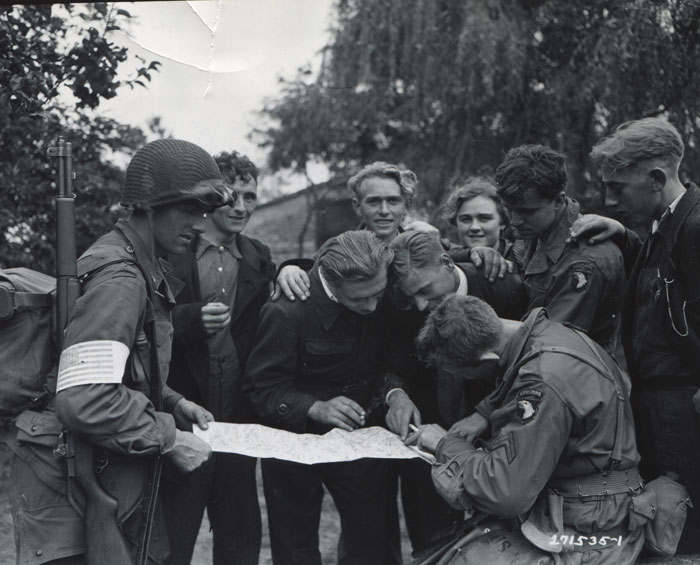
(329, 530)
(328, 534)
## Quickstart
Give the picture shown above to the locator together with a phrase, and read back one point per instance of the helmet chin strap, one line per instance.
(142, 222)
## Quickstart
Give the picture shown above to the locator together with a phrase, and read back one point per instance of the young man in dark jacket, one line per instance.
(227, 280)
(639, 164)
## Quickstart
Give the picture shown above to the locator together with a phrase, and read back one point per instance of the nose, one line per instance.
(238, 204)
(385, 208)
(611, 200)
(476, 226)
(421, 303)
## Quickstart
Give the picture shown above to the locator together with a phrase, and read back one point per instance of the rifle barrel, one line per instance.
(67, 286)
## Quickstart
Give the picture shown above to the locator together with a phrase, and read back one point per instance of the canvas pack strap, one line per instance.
(13, 301)
(600, 366)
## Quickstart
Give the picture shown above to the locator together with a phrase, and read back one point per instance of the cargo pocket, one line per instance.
(37, 438)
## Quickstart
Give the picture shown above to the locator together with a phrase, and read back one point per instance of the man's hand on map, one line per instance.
(401, 413)
(340, 412)
(426, 437)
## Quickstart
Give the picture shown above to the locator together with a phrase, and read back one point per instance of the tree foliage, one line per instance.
(447, 87)
(56, 65)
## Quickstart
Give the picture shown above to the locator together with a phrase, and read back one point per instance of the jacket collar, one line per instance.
(533, 325)
(670, 226)
(159, 270)
(549, 250)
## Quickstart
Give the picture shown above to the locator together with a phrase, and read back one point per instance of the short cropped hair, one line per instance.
(458, 332)
(531, 167)
(353, 256)
(636, 141)
(406, 179)
(471, 188)
(234, 166)
(414, 250)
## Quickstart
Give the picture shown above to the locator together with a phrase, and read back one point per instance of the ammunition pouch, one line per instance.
(661, 509)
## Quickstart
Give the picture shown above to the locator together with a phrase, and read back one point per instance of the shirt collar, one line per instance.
(670, 210)
(326, 288)
(554, 244)
(463, 287)
(326, 308)
(203, 244)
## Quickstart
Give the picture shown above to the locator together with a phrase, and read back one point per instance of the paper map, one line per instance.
(337, 445)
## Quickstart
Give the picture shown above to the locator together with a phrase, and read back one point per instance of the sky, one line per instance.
(220, 61)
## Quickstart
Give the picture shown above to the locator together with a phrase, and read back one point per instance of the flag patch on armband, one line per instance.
(92, 362)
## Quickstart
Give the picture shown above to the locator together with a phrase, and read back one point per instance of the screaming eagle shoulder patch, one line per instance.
(528, 402)
(580, 274)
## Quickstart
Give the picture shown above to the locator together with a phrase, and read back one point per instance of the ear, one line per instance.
(447, 261)
(560, 200)
(356, 206)
(658, 179)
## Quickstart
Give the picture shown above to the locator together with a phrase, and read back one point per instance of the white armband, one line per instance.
(92, 362)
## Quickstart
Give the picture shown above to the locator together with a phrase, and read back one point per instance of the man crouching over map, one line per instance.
(550, 454)
(314, 367)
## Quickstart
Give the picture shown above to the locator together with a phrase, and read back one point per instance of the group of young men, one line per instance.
(507, 377)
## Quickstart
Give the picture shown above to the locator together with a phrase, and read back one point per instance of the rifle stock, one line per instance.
(105, 544)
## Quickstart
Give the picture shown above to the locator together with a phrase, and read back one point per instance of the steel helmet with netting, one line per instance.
(170, 171)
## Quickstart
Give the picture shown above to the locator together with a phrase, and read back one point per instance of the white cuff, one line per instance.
(386, 398)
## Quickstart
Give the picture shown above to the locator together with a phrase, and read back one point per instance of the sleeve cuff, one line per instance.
(170, 399)
(450, 446)
(166, 425)
(388, 394)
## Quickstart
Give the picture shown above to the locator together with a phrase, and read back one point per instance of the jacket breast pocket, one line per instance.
(323, 355)
(328, 346)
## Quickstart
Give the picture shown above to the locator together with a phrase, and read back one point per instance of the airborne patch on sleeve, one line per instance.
(580, 274)
(528, 402)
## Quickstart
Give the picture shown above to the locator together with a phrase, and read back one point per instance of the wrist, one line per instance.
(390, 395)
(313, 409)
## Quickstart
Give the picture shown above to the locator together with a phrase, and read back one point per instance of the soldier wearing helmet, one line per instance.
(111, 390)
